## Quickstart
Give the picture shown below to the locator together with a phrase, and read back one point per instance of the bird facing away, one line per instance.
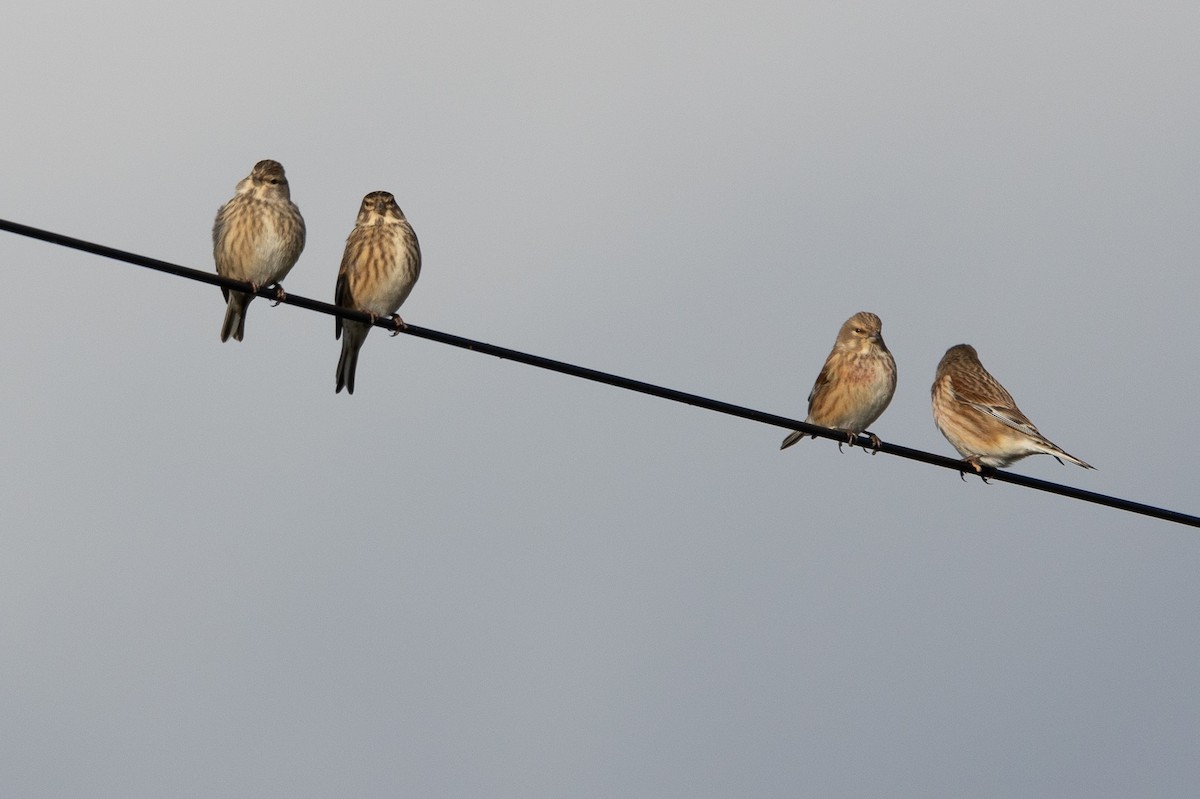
(980, 419)
(380, 266)
(855, 384)
(257, 237)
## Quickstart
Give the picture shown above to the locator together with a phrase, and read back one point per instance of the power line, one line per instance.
(604, 377)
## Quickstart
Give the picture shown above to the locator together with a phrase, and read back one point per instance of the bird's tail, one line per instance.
(235, 316)
(353, 336)
(1059, 454)
(792, 438)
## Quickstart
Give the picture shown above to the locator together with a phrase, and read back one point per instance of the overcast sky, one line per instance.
(477, 579)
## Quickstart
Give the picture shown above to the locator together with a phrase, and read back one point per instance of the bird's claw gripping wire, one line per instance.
(280, 294)
(975, 465)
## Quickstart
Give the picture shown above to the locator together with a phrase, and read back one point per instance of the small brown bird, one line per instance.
(855, 384)
(257, 237)
(379, 268)
(980, 419)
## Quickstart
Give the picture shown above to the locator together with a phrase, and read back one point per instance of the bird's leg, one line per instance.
(398, 324)
(974, 463)
(875, 442)
(280, 294)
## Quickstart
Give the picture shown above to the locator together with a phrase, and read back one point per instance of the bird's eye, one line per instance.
(859, 330)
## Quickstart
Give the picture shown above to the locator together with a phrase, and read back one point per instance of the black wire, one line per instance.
(604, 377)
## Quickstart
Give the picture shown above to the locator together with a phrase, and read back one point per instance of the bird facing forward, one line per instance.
(980, 419)
(257, 237)
(380, 266)
(855, 384)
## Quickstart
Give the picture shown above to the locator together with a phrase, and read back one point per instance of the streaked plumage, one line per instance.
(979, 417)
(855, 384)
(381, 264)
(257, 237)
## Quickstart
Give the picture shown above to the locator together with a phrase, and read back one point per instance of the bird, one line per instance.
(979, 417)
(257, 238)
(855, 384)
(380, 266)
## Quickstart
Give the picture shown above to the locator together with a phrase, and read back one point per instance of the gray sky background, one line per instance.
(474, 578)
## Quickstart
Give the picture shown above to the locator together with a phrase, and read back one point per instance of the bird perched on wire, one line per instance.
(980, 419)
(257, 237)
(855, 384)
(379, 268)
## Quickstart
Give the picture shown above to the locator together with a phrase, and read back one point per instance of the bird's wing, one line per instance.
(341, 294)
(986, 395)
(822, 380)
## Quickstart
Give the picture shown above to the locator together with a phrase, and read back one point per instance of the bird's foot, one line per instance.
(398, 324)
(280, 294)
(976, 466)
(875, 441)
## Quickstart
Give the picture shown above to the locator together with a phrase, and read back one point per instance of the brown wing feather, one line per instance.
(976, 387)
(821, 381)
(341, 293)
